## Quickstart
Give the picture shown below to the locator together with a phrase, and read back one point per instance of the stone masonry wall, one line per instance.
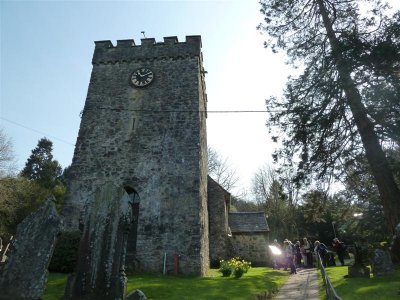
(151, 140)
(218, 217)
(252, 247)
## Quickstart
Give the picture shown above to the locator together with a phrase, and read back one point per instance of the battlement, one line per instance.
(127, 50)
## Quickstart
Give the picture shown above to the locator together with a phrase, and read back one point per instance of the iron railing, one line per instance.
(329, 289)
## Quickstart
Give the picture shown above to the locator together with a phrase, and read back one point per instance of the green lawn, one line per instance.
(55, 286)
(214, 286)
(376, 288)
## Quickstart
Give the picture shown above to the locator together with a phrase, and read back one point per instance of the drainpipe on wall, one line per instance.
(165, 261)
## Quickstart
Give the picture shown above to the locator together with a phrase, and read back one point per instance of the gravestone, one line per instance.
(359, 268)
(395, 245)
(136, 295)
(25, 274)
(100, 272)
(381, 263)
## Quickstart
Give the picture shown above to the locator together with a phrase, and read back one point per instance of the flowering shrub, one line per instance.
(225, 268)
(235, 265)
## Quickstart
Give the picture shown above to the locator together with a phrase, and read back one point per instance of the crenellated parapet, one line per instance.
(127, 51)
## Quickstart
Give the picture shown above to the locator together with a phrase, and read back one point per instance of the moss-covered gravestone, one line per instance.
(100, 272)
(25, 274)
(381, 263)
(359, 268)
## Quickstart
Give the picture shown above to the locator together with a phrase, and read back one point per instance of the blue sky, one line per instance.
(46, 51)
(47, 46)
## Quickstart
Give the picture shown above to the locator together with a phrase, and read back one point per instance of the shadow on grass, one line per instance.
(377, 288)
(55, 286)
(214, 286)
(257, 280)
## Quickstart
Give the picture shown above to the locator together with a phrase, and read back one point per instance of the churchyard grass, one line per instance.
(214, 286)
(55, 286)
(377, 288)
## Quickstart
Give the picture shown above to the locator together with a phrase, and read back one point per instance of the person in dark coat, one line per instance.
(298, 254)
(340, 249)
(307, 250)
(322, 250)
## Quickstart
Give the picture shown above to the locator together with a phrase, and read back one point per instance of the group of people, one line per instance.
(294, 255)
(338, 246)
(300, 253)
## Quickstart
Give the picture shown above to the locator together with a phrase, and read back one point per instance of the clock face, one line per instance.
(142, 77)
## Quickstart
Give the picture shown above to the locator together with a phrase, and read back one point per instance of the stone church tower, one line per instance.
(143, 128)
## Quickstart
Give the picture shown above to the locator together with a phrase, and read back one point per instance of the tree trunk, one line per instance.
(388, 190)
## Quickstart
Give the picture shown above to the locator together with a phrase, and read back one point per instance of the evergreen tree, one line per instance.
(41, 167)
(315, 206)
(324, 114)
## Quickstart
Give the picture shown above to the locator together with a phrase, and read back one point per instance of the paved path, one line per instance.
(301, 286)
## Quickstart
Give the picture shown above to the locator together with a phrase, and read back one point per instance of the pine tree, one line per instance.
(41, 167)
(324, 116)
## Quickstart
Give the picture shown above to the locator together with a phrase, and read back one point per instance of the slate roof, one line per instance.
(248, 222)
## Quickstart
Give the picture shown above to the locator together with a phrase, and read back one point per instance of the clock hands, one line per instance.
(146, 74)
(143, 77)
